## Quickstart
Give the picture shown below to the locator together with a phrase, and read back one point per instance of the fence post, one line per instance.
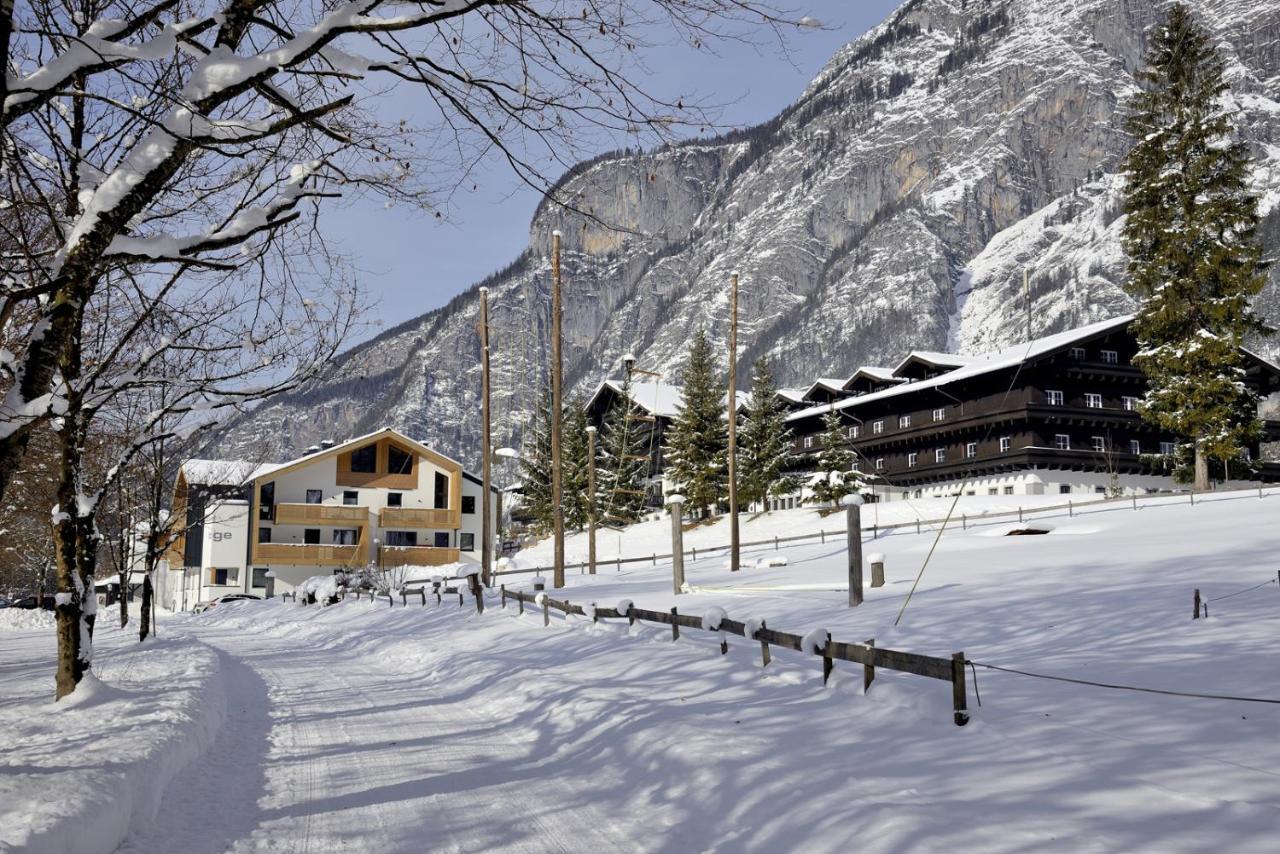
(473, 581)
(958, 699)
(391, 603)
(695, 554)
(823, 535)
(877, 569)
(631, 615)
(675, 626)
(1135, 500)
(1019, 514)
(1195, 605)
(459, 596)
(828, 663)
(917, 524)
(423, 591)
(1192, 495)
(595, 618)
(503, 589)
(964, 521)
(853, 530)
(775, 542)
(675, 506)
(520, 599)
(869, 669)
(404, 598)
(439, 598)
(764, 648)
(546, 612)
(1205, 605)
(1071, 509)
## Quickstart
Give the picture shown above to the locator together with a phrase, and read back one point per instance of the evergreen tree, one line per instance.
(1191, 237)
(623, 465)
(834, 479)
(764, 442)
(699, 436)
(573, 455)
(535, 465)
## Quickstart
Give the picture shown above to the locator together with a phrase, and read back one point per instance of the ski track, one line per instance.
(322, 754)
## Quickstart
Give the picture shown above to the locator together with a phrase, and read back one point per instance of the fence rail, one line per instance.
(866, 654)
(963, 519)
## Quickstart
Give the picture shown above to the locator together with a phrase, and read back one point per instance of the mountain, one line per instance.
(895, 205)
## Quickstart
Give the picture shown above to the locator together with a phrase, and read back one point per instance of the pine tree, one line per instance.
(698, 440)
(834, 479)
(764, 442)
(1191, 237)
(623, 465)
(573, 454)
(535, 465)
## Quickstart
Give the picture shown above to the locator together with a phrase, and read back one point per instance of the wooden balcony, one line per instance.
(419, 517)
(321, 514)
(298, 554)
(417, 556)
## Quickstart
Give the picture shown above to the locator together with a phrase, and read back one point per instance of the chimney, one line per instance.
(311, 450)
(326, 444)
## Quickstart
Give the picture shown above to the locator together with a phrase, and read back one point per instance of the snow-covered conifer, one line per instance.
(698, 439)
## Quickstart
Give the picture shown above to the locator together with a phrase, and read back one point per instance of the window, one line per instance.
(940, 455)
(1064, 489)
(879, 463)
(469, 504)
(224, 575)
(264, 535)
(1093, 401)
(344, 536)
(991, 490)
(365, 459)
(1054, 398)
(904, 421)
(399, 461)
(1135, 447)
(1062, 442)
(260, 578)
(466, 542)
(856, 468)
(808, 442)
(1099, 444)
(267, 501)
(971, 450)
(1166, 448)
(1101, 490)
(1008, 490)
(1006, 442)
(940, 414)
(315, 496)
(877, 427)
(402, 538)
(442, 490)
(855, 431)
(442, 539)
(911, 459)
(1130, 404)
(395, 499)
(311, 536)
(350, 497)
(1111, 357)
(1078, 353)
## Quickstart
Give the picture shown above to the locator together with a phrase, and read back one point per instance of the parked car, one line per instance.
(201, 607)
(30, 603)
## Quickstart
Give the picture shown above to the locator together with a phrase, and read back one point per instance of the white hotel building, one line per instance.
(381, 500)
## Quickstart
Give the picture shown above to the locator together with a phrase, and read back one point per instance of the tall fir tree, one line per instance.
(535, 465)
(1195, 261)
(623, 466)
(697, 442)
(764, 442)
(574, 460)
(834, 477)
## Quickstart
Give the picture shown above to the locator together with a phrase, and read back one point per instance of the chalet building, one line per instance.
(1057, 414)
(380, 500)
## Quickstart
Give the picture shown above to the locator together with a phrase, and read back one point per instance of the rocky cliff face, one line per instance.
(894, 205)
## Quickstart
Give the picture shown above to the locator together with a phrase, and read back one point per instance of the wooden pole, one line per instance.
(732, 413)
(869, 669)
(675, 624)
(557, 415)
(486, 502)
(853, 527)
(764, 648)
(1195, 605)
(591, 499)
(958, 694)
(675, 505)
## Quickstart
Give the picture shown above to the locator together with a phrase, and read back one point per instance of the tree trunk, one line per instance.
(144, 623)
(1202, 470)
(124, 599)
(70, 667)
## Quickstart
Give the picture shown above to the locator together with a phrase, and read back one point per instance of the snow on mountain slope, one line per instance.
(892, 206)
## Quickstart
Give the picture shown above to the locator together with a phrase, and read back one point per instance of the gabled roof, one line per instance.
(880, 375)
(976, 366)
(384, 433)
(791, 395)
(216, 472)
(656, 398)
(934, 360)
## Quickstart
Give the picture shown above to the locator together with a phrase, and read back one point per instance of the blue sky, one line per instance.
(409, 263)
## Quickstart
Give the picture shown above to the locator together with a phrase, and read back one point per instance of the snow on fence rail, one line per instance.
(963, 519)
(828, 649)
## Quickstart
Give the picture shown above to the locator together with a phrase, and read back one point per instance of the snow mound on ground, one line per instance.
(320, 586)
(23, 620)
(712, 619)
(775, 560)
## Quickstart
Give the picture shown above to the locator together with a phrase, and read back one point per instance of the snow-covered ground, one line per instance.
(365, 727)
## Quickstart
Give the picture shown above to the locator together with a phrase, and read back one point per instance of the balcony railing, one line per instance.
(311, 514)
(306, 554)
(418, 517)
(417, 556)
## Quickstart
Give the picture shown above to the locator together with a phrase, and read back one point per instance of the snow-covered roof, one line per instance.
(793, 395)
(216, 472)
(975, 366)
(271, 468)
(657, 398)
(884, 375)
(934, 359)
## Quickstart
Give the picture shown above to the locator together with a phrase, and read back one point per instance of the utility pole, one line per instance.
(486, 502)
(557, 415)
(733, 423)
(591, 499)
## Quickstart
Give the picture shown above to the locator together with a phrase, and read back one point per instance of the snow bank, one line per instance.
(321, 586)
(129, 739)
(22, 620)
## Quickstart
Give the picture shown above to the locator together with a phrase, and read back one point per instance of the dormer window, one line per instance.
(365, 460)
(399, 461)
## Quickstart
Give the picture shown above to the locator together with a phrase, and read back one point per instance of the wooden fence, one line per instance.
(961, 519)
(866, 654)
